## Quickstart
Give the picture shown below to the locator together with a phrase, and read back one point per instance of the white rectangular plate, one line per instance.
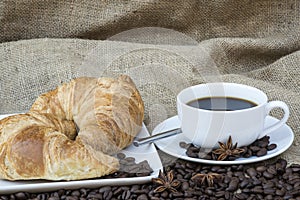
(144, 152)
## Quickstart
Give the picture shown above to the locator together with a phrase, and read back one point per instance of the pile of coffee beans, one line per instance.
(259, 148)
(262, 180)
(129, 168)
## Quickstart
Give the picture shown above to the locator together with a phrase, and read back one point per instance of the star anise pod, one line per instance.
(226, 150)
(166, 182)
(208, 178)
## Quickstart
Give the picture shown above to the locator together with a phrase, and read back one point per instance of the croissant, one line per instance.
(72, 132)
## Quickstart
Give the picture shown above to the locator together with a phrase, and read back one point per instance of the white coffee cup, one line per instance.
(205, 128)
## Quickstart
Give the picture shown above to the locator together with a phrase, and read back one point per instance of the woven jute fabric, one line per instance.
(164, 46)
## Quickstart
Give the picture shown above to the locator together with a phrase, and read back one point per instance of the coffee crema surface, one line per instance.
(221, 103)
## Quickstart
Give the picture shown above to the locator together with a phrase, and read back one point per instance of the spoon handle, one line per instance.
(158, 136)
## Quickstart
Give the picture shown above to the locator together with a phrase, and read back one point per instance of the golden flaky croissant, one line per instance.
(72, 132)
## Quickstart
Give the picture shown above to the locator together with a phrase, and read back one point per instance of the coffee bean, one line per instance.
(244, 183)
(219, 194)
(268, 175)
(75, 193)
(53, 198)
(272, 170)
(43, 196)
(121, 155)
(215, 168)
(240, 175)
(261, 168)
(288, 196)
(142, 197)
(262, 152)
(185, 186)
(269, 191)
(183, 145)
(227, 179)
(288, 187)
(254, 148)
(191, 154)
(295, 168)
(251, 172)
(233, 184)
(106, 194)
(269, 197)
(280, 192)
(241, 196)
(20, 195)
(257, 189)
(296, 184)
(268, 185)
(83, 192)
(296, 192)
(126, 194)
(105, 189)
(176, 195)
(76, 198)
(263, 144)
(271, 147)
(256, 181)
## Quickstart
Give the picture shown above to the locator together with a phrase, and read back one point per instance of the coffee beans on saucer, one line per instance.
(258, 148)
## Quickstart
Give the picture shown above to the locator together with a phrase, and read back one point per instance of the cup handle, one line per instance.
(276, 104)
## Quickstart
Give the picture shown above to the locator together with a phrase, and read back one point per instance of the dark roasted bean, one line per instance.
(262, 152)
(280, 192)
(251, 172)
(272, 170)
(288, 187)
(269, 197)
(268, 185)
(185, 186)
(269, 191)
(257, 189)
(75, 193)
(271, 147)
(53, 198)
(254, 148)
(130, 159)
(261, 168)
(83, 192)
(256, 182)
(268, 175)
(241, 196)
(233, 185)
(244, 183)
(20, 195)
(177, 195)
(105, 189)
(219, 194)
(287, 196)
(263, 144)
(121, 155)
(134, 188)
(227, 179)
(126, 194)
(73, 198)
(142, 197)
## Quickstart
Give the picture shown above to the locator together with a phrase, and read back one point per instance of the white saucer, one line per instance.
(282, 137)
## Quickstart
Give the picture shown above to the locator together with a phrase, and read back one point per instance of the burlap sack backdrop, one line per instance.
(249, 42)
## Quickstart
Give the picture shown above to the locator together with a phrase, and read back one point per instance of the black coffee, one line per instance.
(221, 103)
